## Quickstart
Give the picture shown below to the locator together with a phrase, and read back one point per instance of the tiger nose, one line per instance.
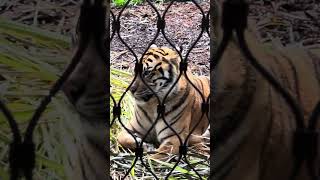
(133, 88)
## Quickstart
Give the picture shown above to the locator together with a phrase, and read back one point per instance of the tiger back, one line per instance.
(253, 124)
(182, 105)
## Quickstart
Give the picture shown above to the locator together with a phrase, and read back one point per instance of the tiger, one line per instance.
(86, 91)
(182, 105)
(252, 125)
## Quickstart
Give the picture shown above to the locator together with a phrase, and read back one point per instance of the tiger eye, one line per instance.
(146, 73)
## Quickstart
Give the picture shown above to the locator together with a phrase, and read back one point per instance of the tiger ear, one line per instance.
(153, 46)
(180, 49)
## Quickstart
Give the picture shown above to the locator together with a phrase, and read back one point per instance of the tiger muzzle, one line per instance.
(140, 93)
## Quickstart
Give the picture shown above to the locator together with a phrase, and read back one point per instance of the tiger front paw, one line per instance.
(201, 148)
(164, 151)
(126, 140)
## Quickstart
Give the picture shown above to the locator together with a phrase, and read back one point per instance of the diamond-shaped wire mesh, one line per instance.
(305, 137)
(160, 107)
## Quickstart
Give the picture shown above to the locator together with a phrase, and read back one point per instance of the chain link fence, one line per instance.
(22, 153)
(306, 136)
(234, 18)
(161, 103)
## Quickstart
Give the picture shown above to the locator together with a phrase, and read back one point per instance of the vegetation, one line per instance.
(31, 60)
(121, 3)
(119, 82)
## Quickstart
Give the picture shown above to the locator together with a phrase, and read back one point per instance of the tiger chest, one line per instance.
(155, 125)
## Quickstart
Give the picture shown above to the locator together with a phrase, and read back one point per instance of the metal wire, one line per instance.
(161, 108)
(22, 152)
(305, 138)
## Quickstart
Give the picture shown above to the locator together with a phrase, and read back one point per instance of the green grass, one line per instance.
(120, 81)
(121, 161)
(31, 60)
(121, 3)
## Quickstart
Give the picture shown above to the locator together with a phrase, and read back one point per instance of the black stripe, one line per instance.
(165, 60)
(176, 118)
(162, 51)
(161, 71)
(172, 134)
(155, 56)
(161, 78)
(182, 99)
(139, 123)
(168, 136)
(180, 113)
(158, 64)
(151, 75)
(136, 131)
(145, 113)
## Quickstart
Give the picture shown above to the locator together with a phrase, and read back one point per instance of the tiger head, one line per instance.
(160, 70)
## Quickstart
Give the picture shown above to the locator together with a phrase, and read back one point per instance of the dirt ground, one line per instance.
(288, 21)
(183, 26)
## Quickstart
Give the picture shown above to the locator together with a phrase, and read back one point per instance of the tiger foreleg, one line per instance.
(127, 141)
(170, 145)
(199, 145)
